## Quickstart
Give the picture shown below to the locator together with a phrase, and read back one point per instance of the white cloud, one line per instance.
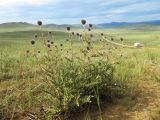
(13, 3)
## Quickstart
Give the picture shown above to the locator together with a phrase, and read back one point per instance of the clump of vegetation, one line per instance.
(56, 79)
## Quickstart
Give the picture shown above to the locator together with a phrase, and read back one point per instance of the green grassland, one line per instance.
(21, 34)
(26, 83)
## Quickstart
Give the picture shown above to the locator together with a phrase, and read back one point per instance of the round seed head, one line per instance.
(89, 29)
(91, 35)
(27, 51)
(35, 36)
(39, 23)
(80, 35)
(121, 39)
(50, 33)
(52, 42)
(39, 52)
(83, 21)
(61, 45)
(90, 25)
(32, 42)
(102, 34)
(88, 48)
(77, 34)
(67, 40)
(48, 41)
(112, 39)
(68, 28)
(72, 33)
(48, 45)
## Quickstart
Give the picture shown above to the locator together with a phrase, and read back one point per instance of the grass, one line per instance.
(53, 84)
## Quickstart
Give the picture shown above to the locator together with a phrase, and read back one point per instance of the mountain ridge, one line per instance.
(102, 25)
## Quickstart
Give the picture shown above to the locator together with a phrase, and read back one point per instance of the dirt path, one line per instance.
(145, 105)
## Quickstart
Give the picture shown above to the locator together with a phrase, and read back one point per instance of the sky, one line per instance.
(72, 11)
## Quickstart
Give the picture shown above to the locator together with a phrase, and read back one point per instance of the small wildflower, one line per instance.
(39, 23)
(83, 22)
(68, 28)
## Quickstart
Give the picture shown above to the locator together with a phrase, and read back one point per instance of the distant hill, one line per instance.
(16, 24)
(130, 25)
(59, 26)
(122, 24)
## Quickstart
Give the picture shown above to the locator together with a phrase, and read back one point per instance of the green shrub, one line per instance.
(71, 84)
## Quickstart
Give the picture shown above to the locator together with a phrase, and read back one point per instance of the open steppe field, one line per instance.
(57, 74)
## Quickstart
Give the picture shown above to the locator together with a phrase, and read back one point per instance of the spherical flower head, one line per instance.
(89, 43)
(112, 39)
(68, 28)
(39, 23)
(83, 21)
(35, 36)
(32, 42)
(72, 33)
(89, 29)
(27, 51)
(48, 45)
(80, 35)
(50, 33)
(91, 35)
(52, 42)
(102, 34)
(61, 45)
(77, 34)
(39, 51)
(90, 25)
(122, 39)
(88, 48)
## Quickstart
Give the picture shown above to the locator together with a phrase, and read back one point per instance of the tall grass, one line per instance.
(51, 80)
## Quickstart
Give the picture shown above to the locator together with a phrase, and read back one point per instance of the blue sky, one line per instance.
(71, 11)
